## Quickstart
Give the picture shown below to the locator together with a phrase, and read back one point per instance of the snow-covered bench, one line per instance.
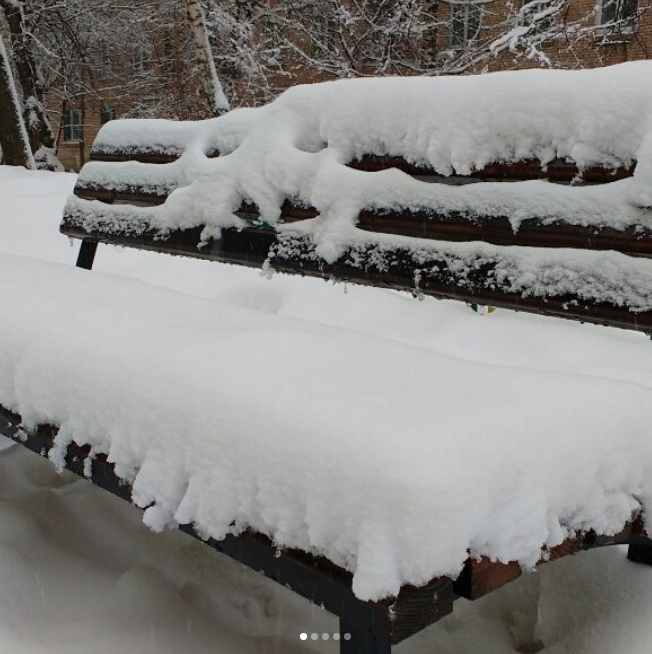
(528, 191)
(409, 208)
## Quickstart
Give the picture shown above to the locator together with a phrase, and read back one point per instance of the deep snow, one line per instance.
(593, 603)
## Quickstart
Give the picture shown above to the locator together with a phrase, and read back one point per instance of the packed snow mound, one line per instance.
(393, 461)
(296, 147)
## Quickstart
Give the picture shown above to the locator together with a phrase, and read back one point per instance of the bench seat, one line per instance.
(381, 447)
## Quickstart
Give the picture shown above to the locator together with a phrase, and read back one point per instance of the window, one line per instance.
(106, 62)
(326, 35)
(616, 11)
(465, 24)
(271, 40)
(378, 9)
(537, 14)
(72, 125)
(107, 113)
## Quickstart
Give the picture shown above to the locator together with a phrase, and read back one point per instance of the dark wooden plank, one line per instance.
(555, 171)
(315, 578)
(454, 227)
(129, 194)
(142, 155)
(483, 576)
(497, 230)
(251, 247)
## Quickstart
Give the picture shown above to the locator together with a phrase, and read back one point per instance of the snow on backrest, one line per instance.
(298, 146)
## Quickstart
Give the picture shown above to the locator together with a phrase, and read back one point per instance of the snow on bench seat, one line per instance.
(390, 460)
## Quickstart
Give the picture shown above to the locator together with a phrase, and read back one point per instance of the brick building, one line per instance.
(157, 77)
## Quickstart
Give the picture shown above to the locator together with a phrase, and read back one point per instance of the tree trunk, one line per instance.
(212, 87)
(39, 130)
(13, 136)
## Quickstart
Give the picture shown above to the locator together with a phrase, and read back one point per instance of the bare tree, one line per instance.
(549, 33)
(35, 118)
(213, 90)
(13, 135)
(270, 44)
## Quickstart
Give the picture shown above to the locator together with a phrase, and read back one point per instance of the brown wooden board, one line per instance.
(555, 171)
(143, 155)
(482, 576)
(454, 227)
(252, 247)
(129, 194)
(497, 230)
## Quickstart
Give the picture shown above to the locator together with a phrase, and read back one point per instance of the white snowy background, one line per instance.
(80, 573)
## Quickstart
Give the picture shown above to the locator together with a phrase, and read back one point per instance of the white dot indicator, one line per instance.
(325, 636)
(336, 636)
(314, 636)
(347, 636)
(304, 636)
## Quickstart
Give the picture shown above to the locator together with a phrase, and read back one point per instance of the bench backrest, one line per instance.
(593, 271)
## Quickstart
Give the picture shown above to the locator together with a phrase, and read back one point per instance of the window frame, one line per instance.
(139, 60)
(624, 25)
(456, 43)
(271, 35)
(544, 25)
(107, 109)
(73, 130)
(328, 34)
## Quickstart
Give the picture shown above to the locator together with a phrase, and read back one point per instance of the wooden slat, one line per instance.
(635, 241)
(313, 577)
(289, 212)
(131, 194)
(482, 576)
(143, 156)
(555, 171)
(251, 247)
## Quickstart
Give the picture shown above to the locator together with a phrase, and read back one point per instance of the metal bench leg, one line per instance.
(87, 255)
(640, 551)
(363, 641)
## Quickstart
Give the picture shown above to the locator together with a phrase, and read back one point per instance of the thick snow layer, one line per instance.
(83, 578)
(81, 575)
(529, 272)
(296, 148)
(334, 442)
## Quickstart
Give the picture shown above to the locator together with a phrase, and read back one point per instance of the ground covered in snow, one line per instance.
(121, 586)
